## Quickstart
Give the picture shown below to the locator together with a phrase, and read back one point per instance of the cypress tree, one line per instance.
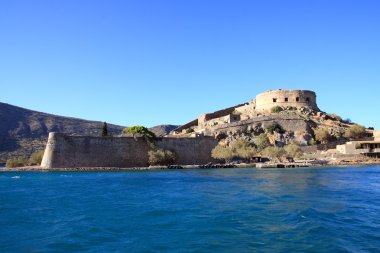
(105, 129)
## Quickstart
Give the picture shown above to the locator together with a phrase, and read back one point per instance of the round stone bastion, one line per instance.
(295, 98)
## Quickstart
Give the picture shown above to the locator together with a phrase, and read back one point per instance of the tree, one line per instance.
(222, 153)
(355, 132)
(274, 152)
(133, 130)
(243, 149)
(262, 142)
(293, 150)
(322, 135)
(105, 129)
(161, 157)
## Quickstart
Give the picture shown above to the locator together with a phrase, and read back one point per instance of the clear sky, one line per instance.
(166, 62)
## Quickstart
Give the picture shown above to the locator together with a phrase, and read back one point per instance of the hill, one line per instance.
(162, 130)
(24, 131)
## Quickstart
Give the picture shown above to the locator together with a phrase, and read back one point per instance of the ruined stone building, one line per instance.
(258, 108)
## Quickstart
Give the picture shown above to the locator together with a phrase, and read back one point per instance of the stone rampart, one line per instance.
(290, 123)
(84, 151)
(202, 119)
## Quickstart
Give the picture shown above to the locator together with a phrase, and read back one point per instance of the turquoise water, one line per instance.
(215, 210)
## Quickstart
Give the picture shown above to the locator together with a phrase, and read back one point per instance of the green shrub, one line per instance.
(133, 130)
(355, 132)
(161, 157)
(243, 149)
(275, 127)
(262, 142)
(236, 112)
(36, 157)
(322, 135)
(189, 130)
(274, 152)
(312, 142)
(293, 150)
(18, 162)
(222, 153)
(277, 109)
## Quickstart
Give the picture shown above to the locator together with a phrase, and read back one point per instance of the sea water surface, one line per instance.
(204, 210)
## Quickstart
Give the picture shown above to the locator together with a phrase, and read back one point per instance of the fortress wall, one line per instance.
(202, 119)
(290, 123)
(265, 101)
(84, 151)
(190, 150)
(246, 110)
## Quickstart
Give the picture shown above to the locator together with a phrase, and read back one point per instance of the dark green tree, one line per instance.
(105, 129)
(139, 130)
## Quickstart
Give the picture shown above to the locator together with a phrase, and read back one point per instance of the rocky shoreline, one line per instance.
(208, 166)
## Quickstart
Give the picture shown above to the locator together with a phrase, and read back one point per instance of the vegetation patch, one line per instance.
(161, 157)
(277, 109)
(18, 162)
(262, 142)
(322, 135)
(275, 127)
(34, 159)
(236, 112)
(139, 130)
(222, 153)
(355, 132)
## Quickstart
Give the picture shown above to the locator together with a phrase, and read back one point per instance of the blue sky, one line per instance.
(165, 62)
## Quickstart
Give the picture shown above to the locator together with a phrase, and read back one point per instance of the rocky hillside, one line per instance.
(24, 131)
(162, 130)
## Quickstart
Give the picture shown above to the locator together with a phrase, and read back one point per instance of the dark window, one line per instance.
(297, 99)
(274, 100)
(286, 99)
(307, 99)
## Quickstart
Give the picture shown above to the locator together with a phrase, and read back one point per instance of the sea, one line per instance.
(321, 209)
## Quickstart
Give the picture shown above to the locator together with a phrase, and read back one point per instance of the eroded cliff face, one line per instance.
(65, 151)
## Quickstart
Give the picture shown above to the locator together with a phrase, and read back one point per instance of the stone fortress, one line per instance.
(259, 109)
(85, 151)
(295, 111)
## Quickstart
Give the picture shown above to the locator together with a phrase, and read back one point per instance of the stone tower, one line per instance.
(295, 98)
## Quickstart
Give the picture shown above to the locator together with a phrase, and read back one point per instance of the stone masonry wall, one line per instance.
(290, 123)
(84, 151)
(297, 98)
